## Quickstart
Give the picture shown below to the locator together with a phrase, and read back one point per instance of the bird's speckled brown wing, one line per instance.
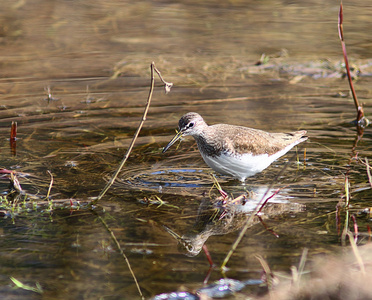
(243, 139)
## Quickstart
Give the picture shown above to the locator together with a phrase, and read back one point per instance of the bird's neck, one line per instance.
(206, 143)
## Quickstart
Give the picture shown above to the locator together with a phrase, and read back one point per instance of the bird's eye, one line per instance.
(191, 124)
(189, 248)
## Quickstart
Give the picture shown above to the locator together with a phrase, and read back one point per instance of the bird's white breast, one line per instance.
(242, 166)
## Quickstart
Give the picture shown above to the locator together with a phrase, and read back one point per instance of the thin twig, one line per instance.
(361, 120)
(168, 86)
(122, 254)
(341, 35)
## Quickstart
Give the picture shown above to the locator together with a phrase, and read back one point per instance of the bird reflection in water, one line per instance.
(224, 215)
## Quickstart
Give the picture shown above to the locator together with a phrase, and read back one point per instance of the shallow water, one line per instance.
(95, 58)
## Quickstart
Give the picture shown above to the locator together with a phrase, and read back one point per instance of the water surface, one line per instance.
(95, 59)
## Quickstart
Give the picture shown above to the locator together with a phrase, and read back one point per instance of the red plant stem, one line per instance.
(360, 112)
(13, 138)
(266, 227)
(273, 194)
(13, 131)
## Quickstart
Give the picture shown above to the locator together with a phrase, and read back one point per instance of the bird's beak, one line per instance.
(172, 233)
(175, 139)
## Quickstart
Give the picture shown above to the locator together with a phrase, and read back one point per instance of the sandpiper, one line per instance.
(236, 151)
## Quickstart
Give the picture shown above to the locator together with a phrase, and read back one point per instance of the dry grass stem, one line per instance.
(15, 182)
(356, 252)
(301, 265)
(269, 274)
(347, 191)
(50, 185)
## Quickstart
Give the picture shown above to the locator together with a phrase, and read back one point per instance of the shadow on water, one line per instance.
(75, 78)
